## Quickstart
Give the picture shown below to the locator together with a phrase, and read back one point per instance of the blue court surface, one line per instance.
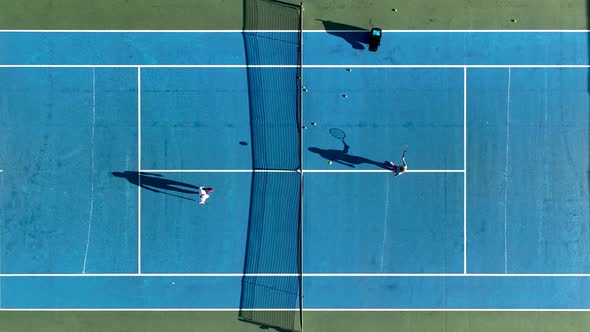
(106, 136)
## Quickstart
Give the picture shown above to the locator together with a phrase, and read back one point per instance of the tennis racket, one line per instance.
(405, 149)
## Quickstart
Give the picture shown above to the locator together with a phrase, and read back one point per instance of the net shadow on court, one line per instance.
(588, 27)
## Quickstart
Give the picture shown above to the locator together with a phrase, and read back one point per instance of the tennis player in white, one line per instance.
(204, 194)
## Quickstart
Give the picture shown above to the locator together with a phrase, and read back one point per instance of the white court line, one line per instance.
(150, 309)
(144, 66)
(381, 171)
(217, 171)
(465, 170)
(139, 168)
(294, 309)
(442, 309)
(1, 228)
(91, 170)
(454, 275)
(294, 171)
(312, 31)
(461, 31)
(506, 176)
(146, 275)
(291, 275)
(458, 66)
(147, 31)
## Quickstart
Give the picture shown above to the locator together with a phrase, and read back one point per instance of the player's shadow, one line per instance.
(156, 183)
(354, 35)
(342, 157)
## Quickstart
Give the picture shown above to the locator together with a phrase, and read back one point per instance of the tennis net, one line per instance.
(273, 92)
(273, 36)
(300, 129)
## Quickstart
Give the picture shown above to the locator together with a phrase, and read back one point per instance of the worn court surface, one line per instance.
(519, 220)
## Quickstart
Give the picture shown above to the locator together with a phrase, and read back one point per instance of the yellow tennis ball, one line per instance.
(330, 162)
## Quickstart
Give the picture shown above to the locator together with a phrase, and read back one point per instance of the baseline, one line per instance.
(292, 66)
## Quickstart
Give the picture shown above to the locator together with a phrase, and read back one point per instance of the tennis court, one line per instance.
(107, 135)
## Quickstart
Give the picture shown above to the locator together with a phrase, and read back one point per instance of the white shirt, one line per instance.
(203, 195)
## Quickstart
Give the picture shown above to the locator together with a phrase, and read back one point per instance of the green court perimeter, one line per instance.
(227, 14)
(316, 321)
(350, 14)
